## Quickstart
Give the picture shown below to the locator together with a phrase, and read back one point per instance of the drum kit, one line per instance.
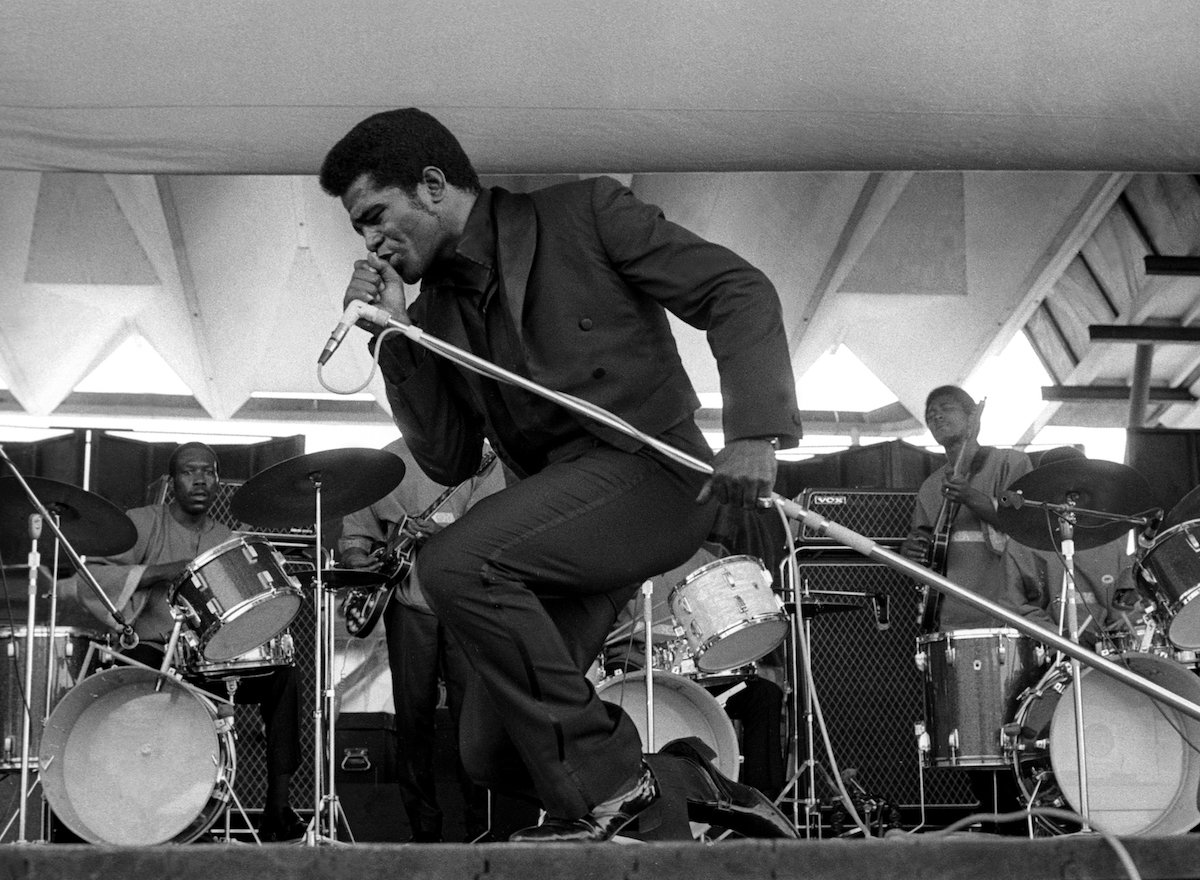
(718, 621)
(723, 619)
(129, 754)
(1070, 737)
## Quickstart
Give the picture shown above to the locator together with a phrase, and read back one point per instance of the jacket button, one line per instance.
(598, 373)
(585, 323)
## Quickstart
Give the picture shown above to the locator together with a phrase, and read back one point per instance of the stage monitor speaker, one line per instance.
(883, 515)
(869, 688)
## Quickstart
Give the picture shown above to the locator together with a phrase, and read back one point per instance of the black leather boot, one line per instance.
(604, 821)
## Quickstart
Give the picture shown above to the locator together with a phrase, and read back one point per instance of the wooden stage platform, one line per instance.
(964, 856)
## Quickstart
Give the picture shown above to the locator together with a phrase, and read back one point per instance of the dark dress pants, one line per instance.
(530, 581)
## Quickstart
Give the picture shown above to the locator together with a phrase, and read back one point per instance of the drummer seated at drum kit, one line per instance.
(140, 583)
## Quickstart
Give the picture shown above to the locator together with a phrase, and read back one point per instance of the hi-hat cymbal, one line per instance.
(93, 525)
(284, 495)
(1091, 485)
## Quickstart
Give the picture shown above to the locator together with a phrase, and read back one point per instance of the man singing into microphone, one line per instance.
(570, 287)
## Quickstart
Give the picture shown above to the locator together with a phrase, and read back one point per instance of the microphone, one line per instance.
(1153, 523)
(1015, 500)
(35, 526)
(355, 312)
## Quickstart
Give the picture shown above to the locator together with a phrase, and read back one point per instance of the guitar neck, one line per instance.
(404, 540)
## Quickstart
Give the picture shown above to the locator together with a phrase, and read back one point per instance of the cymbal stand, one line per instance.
(327, 810)
(1067, 530)
(128, 637)
(1067, 515)
(647, 621)
(35, 562)
(802, 699)
(800, 706)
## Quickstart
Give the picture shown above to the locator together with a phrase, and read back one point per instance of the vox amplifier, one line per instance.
(883, 515)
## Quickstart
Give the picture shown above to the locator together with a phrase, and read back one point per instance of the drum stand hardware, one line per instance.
(802, 701)
(327, 809)
(87, 510)
(1067, 515)
(35, 532)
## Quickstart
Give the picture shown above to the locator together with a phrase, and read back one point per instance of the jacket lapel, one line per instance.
(516, 233)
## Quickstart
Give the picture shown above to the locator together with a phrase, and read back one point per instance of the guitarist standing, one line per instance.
(954, 525)
(386, 537)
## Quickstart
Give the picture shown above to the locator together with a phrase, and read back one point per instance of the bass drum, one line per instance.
(681, 708)
(132, 757)
(1143, 768)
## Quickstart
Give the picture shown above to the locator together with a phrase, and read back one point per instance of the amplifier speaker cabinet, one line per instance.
(883, 515)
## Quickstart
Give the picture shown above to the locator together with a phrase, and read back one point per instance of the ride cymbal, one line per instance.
(92, 525)
(284, 495)
(1105, 487)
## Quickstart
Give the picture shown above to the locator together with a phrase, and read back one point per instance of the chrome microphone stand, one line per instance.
(35, 562)
(1067, 530)
(327, 809)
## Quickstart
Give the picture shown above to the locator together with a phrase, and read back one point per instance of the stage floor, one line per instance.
(965, 855)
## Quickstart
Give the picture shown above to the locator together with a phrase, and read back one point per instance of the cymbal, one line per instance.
(341, 578)
(93, 525)
(284, 495)
(1104, 486)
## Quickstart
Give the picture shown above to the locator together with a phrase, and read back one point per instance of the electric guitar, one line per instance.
(363, 606)
(929, 605)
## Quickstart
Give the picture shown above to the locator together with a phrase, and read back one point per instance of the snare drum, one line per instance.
(70, 648)
(973, 681)
(278, 652)
(1140, 756)
(1171, 568)
(132, 757)
(728, 613)
(236, 597)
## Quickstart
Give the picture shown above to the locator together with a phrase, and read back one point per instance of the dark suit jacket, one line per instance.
(589, 269)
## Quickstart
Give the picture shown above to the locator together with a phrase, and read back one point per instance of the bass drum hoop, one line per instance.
(681, 708)
(132, 757)
(1122, 800)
